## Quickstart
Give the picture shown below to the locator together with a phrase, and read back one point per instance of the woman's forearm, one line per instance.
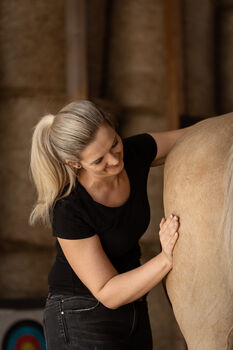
(129, 286)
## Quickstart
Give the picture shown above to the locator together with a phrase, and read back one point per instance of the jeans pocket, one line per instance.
(77, 304)
(75, 311)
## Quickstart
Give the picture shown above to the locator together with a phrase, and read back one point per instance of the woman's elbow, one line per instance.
(108, 301)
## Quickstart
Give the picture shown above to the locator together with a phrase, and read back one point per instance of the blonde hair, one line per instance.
(54, 140)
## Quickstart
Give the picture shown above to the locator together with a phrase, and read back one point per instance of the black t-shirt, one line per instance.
(78, 216)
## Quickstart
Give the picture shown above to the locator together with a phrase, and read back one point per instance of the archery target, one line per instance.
(24, 335)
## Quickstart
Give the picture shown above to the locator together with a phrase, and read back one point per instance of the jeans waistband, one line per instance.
(54, 295)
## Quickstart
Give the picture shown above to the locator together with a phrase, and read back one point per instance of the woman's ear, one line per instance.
(73, 164)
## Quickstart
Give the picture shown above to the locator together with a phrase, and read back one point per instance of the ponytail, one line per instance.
(48, 173)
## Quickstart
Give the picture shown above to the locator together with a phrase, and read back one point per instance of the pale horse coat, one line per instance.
(198, 187)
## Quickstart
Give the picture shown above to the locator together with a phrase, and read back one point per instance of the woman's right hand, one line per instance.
(168, 235)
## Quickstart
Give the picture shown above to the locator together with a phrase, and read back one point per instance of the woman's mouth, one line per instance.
(113, 166)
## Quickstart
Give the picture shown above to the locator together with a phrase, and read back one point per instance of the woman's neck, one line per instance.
(98, 181)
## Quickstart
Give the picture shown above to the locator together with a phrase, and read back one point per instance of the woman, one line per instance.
(92, 187)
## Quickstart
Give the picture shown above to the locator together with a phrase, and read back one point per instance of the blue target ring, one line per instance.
(23, 335)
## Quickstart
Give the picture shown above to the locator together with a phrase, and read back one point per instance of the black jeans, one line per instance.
(82, 322)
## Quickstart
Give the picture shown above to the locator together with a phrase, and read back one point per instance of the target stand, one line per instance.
(21, 324)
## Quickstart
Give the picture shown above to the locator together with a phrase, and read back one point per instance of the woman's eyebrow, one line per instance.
(115, 138)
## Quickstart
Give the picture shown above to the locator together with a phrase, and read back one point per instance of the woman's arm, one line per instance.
(128, 286)
(91, 264)
(165, 141)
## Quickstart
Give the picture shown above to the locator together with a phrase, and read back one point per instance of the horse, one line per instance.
(198, 187)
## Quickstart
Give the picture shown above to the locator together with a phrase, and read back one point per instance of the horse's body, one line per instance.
(200, 288)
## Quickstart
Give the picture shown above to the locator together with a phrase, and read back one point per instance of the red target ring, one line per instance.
(26, 341)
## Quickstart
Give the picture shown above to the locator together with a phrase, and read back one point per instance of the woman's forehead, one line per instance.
(102, 143)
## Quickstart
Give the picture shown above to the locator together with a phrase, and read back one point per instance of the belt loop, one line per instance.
(49, 295)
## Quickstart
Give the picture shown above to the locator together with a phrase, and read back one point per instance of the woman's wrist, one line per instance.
(167, 260)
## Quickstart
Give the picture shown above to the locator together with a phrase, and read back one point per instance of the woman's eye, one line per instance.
(98, 161)
(115, 143)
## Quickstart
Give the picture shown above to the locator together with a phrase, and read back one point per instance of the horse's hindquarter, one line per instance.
(198, 286)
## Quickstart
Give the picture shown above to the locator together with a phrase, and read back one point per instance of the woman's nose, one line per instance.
(112, 160)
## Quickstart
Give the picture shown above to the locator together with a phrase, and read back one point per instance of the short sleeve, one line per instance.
(68, 222)
(144, 147)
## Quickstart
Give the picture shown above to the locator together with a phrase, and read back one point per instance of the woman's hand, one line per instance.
(168, 235)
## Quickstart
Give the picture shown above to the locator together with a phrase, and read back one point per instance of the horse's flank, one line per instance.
(198, 187)
(226, 223)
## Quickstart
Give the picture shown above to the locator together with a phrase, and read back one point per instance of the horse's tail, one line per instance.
(226, 224)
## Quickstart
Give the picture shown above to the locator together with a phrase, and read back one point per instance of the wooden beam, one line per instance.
(174, 61)
(76, 50)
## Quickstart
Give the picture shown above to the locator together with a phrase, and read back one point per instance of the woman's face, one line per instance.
(104, 155)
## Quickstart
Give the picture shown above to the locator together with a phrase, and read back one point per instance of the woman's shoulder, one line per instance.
(67, 201)
(140, 146)
(69, 220)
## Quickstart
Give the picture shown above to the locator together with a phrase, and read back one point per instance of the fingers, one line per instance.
(162, 222)
(171, 223)
(169, 234)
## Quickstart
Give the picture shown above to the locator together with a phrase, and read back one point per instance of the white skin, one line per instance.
(102, 160)
(103, 175)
